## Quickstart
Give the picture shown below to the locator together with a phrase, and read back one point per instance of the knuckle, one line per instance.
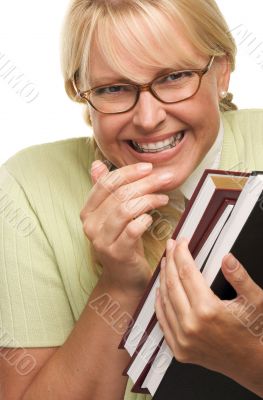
(190, 329)
(108, 182)
(125, 210)
(151, 201)
(122, 193)
(171, 284)
(184, 271)
(240, 277)
(102, 182)
(88, 228)
(132, 231)
(206, 313)
(142, 204)
(164, 301)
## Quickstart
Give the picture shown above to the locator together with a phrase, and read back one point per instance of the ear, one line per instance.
(223, 74)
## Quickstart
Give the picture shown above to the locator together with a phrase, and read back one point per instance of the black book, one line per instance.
(243, 237)
(192, 382)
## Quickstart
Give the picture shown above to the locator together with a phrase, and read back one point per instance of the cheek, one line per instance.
(204, 113)
(210, 113)
(207, 103)
(103, 128)
(102, 124)
(106, 130)
(209, 95)
(201, 114)
(202, 109)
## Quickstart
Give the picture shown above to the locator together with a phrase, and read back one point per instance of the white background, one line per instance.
(29, 39)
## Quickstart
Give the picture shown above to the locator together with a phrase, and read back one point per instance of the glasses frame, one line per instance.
(142, 88)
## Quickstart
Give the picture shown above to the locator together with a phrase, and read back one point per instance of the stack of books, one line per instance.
(225, 214)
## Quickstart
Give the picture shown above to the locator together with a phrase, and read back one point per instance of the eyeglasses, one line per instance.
(118, 98)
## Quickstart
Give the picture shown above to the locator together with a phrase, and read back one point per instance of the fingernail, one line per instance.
(148, 220)
(232, 263)
(144, 167)
(163, 198)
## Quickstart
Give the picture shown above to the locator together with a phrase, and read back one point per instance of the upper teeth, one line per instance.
(161, 144)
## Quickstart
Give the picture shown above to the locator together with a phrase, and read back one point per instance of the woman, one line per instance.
(154, 77)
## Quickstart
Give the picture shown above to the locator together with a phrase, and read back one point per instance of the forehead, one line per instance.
(139, 57)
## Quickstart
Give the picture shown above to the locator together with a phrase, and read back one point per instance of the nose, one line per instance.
(149, 112)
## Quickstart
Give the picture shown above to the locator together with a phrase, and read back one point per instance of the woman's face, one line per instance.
(151, 120)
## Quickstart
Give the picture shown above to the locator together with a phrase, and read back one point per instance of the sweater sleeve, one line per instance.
(34, 308)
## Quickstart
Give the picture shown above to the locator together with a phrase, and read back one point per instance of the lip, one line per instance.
(157, 139)
(157, 157)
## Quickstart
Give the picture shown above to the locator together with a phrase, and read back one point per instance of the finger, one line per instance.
(238, 277)
(192, 281)
(120, 218)
(162, 320)
(127, 183)
(98, 169)
(171, 314)
(128, 239)
(173, 285)
(108, 184)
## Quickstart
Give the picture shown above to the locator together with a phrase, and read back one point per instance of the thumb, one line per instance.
(237, 276)
(98, 170)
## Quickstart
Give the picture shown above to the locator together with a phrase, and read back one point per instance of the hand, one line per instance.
(114, 220)
(224, 336)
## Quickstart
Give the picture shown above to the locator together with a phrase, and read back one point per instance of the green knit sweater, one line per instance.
(45, 267)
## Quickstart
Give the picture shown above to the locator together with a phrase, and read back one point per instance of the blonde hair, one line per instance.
(117, 25)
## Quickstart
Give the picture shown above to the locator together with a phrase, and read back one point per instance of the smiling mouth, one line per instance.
(157, 147)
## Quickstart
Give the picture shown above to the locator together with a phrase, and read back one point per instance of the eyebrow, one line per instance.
(108, 80)
(104, 81)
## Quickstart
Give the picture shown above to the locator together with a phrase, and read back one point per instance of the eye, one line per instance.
(176, 76)
(109, 90)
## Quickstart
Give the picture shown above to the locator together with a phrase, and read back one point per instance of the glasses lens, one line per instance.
(113, 99)
(176, 86)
